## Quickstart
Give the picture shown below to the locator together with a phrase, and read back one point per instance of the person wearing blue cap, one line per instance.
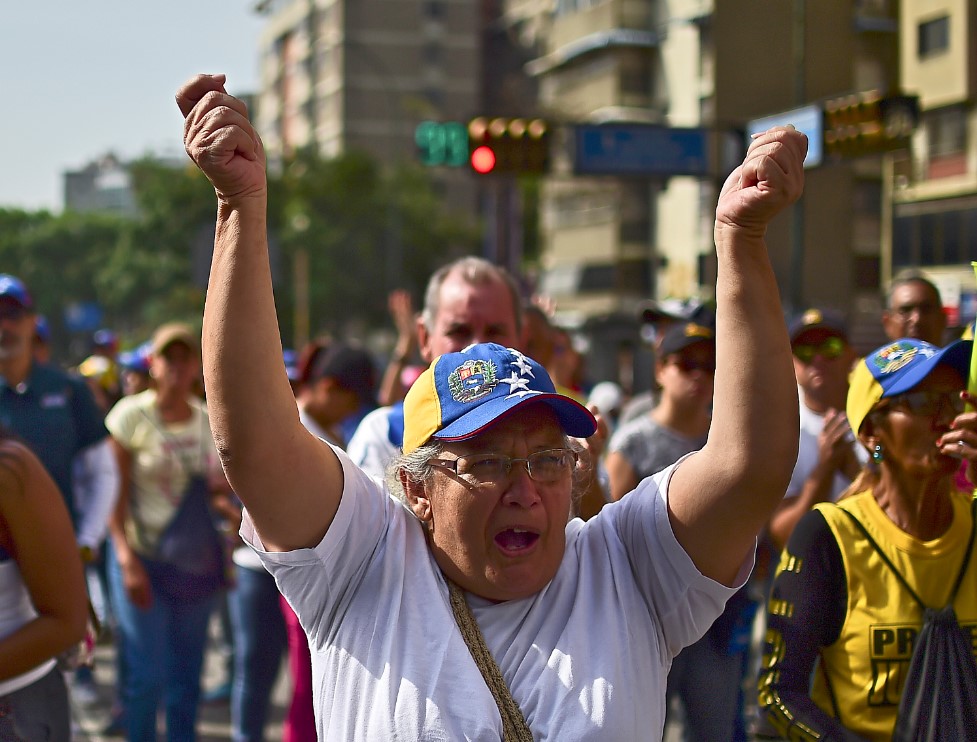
(56, 414)
(859, 576)
(468, 607)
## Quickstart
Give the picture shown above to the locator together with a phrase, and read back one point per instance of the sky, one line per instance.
(82, 79)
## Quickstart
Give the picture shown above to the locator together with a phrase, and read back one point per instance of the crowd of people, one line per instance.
(477, 541)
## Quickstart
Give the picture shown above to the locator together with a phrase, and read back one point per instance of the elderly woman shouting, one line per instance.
(477, 612)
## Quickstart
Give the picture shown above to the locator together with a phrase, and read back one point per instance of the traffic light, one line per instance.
(868, 123)
(441, 143)
(505, 145)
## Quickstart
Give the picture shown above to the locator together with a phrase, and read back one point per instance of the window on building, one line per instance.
(933, 37)
(635, 76)
(946, 131)
(934, 234)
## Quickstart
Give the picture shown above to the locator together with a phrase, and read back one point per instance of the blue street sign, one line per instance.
(639, 150)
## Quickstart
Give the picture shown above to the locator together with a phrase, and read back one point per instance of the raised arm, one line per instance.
(35, 529)
(289, 481)
(722, 496)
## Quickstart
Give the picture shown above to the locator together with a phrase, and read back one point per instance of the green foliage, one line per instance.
(366, 230)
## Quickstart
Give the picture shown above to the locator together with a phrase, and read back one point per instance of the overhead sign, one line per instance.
(807, 119)
(639, 150)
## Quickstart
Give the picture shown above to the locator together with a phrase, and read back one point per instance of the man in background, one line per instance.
(56, 415)
(914, 309)
(468, 301)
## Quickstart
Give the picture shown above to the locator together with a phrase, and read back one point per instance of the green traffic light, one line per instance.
(441, 143)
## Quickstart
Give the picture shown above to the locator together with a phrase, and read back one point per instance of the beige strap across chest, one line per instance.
(514, 726)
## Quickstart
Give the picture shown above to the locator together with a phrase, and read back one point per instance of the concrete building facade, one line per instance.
(613, 242)
(931, 191)
(338, 75)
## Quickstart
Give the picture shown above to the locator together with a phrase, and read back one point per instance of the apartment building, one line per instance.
(338, 75)
(612, 242)
(931, 191)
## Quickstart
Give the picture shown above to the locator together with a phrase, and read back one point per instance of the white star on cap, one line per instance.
(516, 383)
(523, 393)
(522, 363)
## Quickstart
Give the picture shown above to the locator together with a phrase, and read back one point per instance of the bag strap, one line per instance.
(514, 726)
(898, 575)
(184, 463)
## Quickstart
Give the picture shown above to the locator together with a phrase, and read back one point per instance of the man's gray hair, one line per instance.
(473, 270)
(911, 275)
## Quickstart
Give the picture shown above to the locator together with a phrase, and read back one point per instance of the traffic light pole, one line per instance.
(502, 211)
(795, 281)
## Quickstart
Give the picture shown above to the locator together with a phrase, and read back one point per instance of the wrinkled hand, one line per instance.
(221, 140)
(770, 179)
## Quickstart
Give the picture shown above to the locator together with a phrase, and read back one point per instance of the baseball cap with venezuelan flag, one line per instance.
(462, 394)
(896, 368)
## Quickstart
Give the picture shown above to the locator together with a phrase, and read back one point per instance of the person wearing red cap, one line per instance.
(468, 609)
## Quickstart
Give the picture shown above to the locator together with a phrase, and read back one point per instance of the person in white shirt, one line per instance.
(409, 605)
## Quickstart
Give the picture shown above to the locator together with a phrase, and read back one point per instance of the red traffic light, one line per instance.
(504, 145)
(483, 160)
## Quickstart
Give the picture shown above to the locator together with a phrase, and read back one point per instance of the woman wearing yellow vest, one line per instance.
(844, 613)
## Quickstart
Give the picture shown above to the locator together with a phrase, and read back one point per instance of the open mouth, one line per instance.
(516, 541)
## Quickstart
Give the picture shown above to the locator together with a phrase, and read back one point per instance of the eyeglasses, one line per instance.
(545, 467)
(926, 402)
(829, 349)
(688, 365)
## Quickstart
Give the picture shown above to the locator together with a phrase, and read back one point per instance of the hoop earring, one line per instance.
(877, 455)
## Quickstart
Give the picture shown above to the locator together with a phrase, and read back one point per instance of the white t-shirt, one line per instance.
(370, 447)
(164, 456)
(807, 455)
(585, 658)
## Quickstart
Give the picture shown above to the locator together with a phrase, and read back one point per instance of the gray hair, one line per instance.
(474, 271)
(908, 276)
(416, 465)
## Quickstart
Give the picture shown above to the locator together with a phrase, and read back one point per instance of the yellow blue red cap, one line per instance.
(462, 394)
(897, 367)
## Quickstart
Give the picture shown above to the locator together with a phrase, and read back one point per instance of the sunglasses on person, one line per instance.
(545, 467)
(829, 349)
(925, 403)
(688, 365)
